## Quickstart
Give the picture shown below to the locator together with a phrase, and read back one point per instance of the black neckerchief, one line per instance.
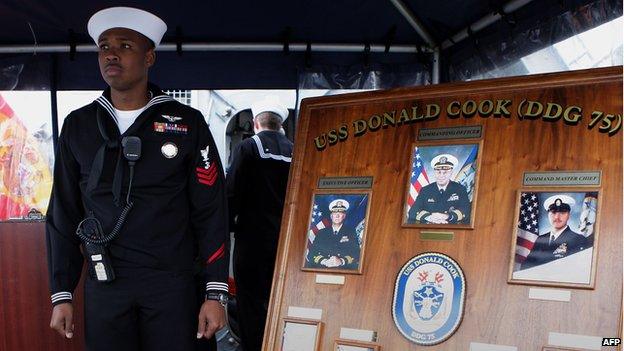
(103, 108)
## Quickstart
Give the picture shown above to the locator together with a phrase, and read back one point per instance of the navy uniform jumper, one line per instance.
(256, 183)
(178, 224)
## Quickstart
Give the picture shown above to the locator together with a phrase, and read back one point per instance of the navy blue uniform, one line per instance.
(453, 201)
(179, 219)
(256, 182)
(567, 243)
(342, 244)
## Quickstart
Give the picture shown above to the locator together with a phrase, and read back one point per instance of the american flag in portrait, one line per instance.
(418, 179)
(318, 221)
(528, 227)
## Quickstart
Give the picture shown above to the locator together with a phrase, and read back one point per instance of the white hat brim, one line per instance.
(269, 104)
(137, 20)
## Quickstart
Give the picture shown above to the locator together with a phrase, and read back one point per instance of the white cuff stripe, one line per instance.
(216, 286)
(63, 295)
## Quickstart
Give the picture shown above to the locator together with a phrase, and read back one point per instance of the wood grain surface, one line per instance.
(496, 312)
(24, 293)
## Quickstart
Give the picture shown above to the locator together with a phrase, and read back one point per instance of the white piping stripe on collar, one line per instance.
(107, 105)
(111, 110)
(266, 154)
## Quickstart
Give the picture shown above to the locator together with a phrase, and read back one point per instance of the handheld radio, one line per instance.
(90, 229)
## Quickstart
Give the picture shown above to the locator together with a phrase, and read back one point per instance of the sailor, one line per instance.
(175, 193)
(256, 185)
(560, 240)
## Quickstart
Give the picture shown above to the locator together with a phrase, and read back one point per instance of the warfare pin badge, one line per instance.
(169, 150)
(429, 296)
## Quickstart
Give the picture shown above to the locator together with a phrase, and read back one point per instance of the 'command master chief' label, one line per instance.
(562, 178)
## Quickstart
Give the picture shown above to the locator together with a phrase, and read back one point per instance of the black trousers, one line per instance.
(143, 310)
(253, 273)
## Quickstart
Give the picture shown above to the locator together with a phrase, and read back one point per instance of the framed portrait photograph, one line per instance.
(442, 184)
(554, 236)
(301, 334)
(336, 234)
(353, 345)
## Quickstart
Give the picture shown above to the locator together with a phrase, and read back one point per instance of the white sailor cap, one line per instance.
(444, 161)
(559, 203)
(270, 103)
(127, 17)
(339, 205)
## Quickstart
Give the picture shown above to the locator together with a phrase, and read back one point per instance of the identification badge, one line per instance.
(169, 150)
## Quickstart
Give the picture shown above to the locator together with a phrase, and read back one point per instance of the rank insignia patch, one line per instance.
(171, 128)
(429, 296)
(206, 156)
(207, 176)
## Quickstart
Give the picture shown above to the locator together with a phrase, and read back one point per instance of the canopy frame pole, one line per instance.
(225, 47)
(485, 21)
(425, 35)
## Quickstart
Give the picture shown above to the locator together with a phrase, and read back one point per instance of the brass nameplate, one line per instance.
(606, 122)
(345, 183)
(437, 236)
(467, 132)
(559, 178)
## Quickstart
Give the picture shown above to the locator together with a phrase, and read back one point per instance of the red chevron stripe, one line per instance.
(208, 174)
(207, 179)
(212, 168)
(217, 254)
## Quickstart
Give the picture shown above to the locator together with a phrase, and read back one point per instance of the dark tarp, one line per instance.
(321, 21)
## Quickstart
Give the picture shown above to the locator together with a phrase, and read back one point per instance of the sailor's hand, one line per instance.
(211, 318)
(63, 319)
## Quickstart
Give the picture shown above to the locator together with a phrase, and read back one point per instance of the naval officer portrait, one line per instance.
(335, 246)
(560, 240)
(443, 201)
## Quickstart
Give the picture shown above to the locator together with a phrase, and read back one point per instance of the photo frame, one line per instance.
(336, 232)
(555, 234)
(442, 184)
(353, 345)
(301, 334)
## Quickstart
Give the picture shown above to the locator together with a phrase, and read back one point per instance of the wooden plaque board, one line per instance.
(513, 142)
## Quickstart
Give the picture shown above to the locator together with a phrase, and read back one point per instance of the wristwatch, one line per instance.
(221, 297)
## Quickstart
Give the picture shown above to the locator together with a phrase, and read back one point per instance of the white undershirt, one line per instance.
(554, 235)
(126, 118)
